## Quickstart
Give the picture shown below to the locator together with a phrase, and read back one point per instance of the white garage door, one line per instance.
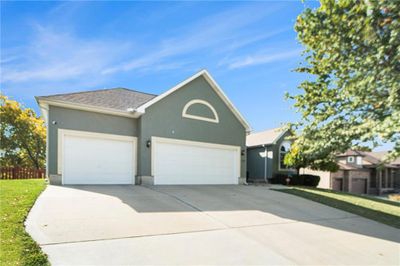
(98, 159)
(177, 162)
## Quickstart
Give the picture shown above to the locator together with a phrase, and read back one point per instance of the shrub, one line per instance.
(296, 180)
(311, 180)
(279, 179)
(395, 197)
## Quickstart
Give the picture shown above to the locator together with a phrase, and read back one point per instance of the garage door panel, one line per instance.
(176, 163)
(95, 160)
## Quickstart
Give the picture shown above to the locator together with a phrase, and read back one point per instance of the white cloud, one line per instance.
(58, 56)
(54, 56)
(262, 58)
(213, 32)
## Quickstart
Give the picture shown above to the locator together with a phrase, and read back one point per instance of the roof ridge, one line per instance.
(136, 91)
(97, 90)
(270, 129)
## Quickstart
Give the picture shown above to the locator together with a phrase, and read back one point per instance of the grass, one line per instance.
(379, 210)
(16, 199)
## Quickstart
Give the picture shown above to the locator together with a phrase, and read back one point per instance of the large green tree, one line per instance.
(23, 135)
(351, 94)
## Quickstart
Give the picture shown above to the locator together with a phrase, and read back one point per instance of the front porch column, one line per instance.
(386, 178)
(379, 180)
(391, 178)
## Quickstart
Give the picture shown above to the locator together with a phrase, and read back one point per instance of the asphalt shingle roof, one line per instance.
(266, 137)
(117, 98)
(375, 158)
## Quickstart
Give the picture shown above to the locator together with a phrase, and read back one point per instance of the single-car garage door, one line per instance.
(177, 162)
(359, 185)
(91, 158)
(337, 184)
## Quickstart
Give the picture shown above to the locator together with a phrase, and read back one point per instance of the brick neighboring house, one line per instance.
(363, 173)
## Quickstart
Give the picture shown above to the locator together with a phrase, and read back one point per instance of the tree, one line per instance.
(299, 158)
(361, 148)
(352, 94)
(23, 135)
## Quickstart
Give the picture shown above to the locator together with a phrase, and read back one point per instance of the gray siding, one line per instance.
(164, 119)
(256, 163)
(200, 110)
(84, 121)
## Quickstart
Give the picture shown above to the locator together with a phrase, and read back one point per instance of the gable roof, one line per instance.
(125, 102)
(267, 137)
(378, 156)
(213, 84)
(373, 157)
(343, 166)
(119, 99)
(350, 153)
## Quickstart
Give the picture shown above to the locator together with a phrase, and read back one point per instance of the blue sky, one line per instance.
(250, 48)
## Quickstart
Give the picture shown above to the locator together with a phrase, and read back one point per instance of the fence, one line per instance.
(21, 173)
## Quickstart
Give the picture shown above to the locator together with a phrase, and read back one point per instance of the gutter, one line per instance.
(84, 107)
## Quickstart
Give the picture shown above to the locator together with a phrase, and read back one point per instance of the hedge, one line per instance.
(296, 180)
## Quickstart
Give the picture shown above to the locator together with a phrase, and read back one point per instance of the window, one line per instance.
(359, 160)
(283, 150)
(214, 116)
(350, 159)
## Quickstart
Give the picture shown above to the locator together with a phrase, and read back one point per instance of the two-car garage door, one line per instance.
(178, 162)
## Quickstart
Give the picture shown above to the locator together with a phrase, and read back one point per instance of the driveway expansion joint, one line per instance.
(189, 205)
(194, 232)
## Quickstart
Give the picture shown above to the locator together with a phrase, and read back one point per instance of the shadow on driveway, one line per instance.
(241, 206)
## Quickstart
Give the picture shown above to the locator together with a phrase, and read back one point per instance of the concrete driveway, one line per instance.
(202, 225)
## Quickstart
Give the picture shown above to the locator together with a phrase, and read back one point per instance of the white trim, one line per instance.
(85, 107)
(44, 109)
(196, 117)
(280, 136)
(142, 109)
(214, 85)
(279, 156)
(155, 140)
(60, 146)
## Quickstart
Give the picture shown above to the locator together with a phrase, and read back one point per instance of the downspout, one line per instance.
(265, 164)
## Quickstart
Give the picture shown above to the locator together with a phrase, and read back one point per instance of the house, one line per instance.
(190, 134)
(265, 153)
(360, 172)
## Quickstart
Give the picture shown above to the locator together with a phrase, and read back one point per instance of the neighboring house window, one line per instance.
(283, 150)
(359, 160)
(350, 159)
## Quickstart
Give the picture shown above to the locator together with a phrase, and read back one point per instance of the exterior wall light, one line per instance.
(148, 144)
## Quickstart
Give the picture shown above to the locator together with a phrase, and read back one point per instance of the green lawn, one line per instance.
(375, 209)
(16, 199)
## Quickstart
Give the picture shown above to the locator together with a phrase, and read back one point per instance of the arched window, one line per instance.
(283, 150)
(200, 110)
